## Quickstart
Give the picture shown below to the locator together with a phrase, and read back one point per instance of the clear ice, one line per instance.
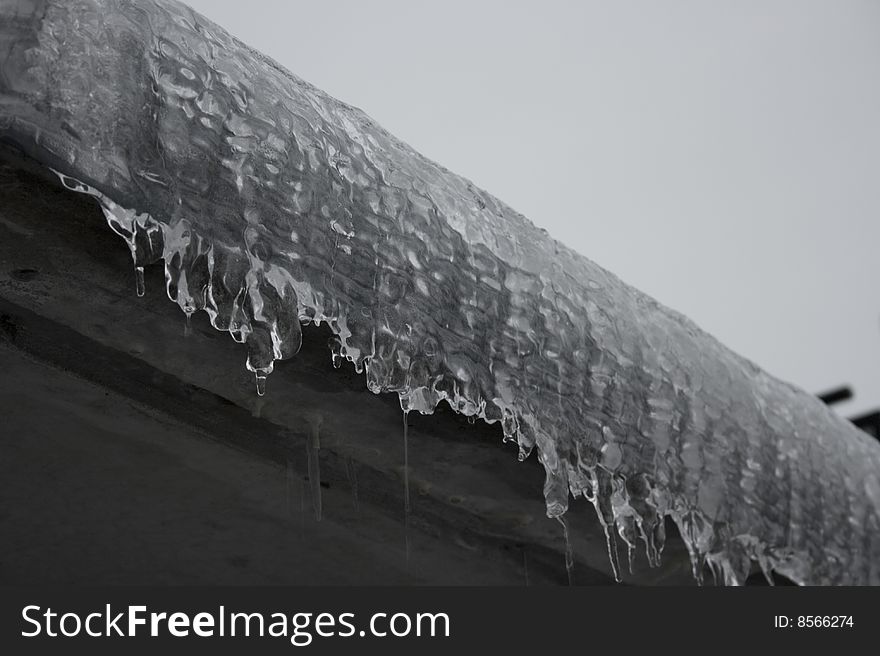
(273, 204)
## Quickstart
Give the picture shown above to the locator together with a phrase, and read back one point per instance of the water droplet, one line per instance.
(313, 448)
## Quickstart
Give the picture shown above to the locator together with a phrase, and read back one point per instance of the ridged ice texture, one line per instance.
(272, 203)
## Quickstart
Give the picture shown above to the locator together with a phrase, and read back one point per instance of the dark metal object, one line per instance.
(843, 393)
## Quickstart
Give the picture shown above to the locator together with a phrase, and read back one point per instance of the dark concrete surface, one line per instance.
(130, 453)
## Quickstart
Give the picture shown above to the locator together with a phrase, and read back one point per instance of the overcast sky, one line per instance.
(723, 157)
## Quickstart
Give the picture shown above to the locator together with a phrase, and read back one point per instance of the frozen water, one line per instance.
(273, 204)
(569, 554)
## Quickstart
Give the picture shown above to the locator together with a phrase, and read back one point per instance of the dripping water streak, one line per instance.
(288, 476)
(313, 448)
(406, 506)
(302, 508)
(569, 556)
(353, 483)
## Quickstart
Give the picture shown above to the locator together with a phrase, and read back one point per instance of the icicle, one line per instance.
(766, 569)
(187, 329)
(655, 538)
(262, 353)
(602, 487)
(717, 572)
(569, 555)
(140, 288)
(260, 379)
(613, 556)
(692, 528)
(509, 426)
(627, 531)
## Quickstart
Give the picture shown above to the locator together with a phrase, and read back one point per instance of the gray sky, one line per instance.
(723, 157)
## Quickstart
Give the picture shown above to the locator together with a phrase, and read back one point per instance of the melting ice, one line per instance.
(272, 204)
